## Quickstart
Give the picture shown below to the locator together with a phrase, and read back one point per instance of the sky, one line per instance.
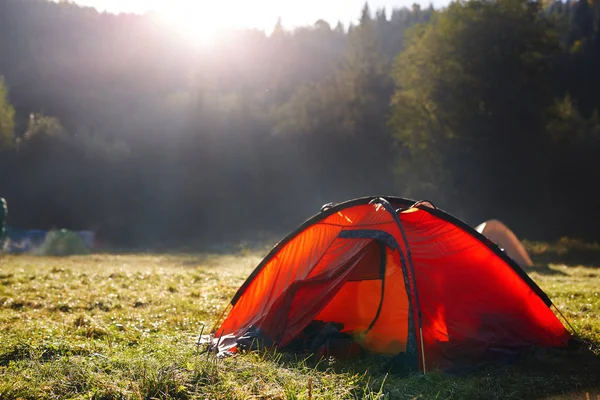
(261, 14)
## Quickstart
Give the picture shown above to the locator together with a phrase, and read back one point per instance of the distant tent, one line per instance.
(63, 243)
(397, 278)
(499, 233)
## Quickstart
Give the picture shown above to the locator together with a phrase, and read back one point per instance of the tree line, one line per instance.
(486, 108)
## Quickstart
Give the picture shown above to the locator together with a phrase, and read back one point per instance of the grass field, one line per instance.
(125, 326)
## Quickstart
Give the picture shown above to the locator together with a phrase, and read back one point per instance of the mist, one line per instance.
(124, 129)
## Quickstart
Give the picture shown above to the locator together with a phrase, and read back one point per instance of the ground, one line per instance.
(125, 326)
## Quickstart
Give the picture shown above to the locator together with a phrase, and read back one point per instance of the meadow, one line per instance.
(108, 326)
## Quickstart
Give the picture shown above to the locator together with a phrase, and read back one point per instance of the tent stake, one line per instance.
(422, 350)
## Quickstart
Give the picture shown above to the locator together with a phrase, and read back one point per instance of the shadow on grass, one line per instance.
(40, 353)
(537, 374)
(555, 372)
(565, 251)
(545, 270)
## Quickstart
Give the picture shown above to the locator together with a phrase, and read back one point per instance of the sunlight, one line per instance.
(194, 21)
(200, 22)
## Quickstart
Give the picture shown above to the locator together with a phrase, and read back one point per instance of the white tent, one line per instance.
(499, 233)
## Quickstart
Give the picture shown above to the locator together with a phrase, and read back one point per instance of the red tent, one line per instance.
(402, 278)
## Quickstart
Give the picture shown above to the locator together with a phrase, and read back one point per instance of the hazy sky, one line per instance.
(261, 14)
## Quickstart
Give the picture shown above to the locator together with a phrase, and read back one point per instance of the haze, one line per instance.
(260, 14)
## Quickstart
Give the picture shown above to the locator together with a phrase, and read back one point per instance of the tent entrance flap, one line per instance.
(297, 306)
(363, 295)
(372, 305)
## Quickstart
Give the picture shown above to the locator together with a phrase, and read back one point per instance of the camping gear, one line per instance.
(23, 241)
(500, 234)
(400, 278)
(48, 242)
(3, 214)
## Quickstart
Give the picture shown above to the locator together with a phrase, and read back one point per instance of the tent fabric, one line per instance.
(500, 234)
(400, 280)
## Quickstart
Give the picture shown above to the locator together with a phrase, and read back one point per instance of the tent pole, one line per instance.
(566, 320)
(216, 325)
(422, 350)
(386, 204)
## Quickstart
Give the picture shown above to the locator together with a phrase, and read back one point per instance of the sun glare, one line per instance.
(200, 22)
(192, 20)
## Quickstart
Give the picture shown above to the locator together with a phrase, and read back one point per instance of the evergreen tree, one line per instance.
(473, 90)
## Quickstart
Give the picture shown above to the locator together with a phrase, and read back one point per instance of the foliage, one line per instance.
(331, 118)
(43, 134)
(7, 118)
(565, 250)
(126, 326)
(487, 108)
(473, 89)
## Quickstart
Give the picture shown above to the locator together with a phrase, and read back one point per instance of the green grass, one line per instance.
(125, 326)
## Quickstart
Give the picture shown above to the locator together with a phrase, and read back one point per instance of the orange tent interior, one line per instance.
(399, 278)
